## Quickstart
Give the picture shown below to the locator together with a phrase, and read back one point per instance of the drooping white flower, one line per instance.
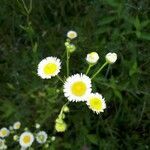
(77, 87)
(41, 137)
(17, 125)
(92, 58)
(96, 102)
(71, 34)
(4, 132)
(111, 58)
(49, 67)
(26, 139)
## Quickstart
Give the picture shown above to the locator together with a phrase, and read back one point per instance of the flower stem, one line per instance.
(99, 70)
(62, 109)
(67, 63)
(60, 78)
(88, 69)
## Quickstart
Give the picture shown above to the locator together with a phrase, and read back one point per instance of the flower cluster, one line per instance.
(77, 87)
(25, 137)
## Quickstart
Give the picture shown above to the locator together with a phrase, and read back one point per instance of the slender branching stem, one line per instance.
(99, 70)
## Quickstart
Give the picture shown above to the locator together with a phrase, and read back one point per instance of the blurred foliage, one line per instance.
(121, 26)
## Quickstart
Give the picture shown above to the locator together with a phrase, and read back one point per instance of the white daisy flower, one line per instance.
(111, 58)
(49, 67)
(23, 148)
(41, 137)
(4, 132)
(26, 139)
(17, 125)
(71, 34)
(96, 102)
(92, 58)
(77, 87)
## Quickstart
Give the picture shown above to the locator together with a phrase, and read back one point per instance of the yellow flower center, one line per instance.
(78, 88)
(50, 68)
(17, 126)
(95, 103)
(4, 132)
(26, 139)
(71, 35)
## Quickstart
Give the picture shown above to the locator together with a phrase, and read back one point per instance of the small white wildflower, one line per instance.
(17, 125)
(41, 137)
(111, 58)
(92, 58)
(77, 87)
(49, 67)
(26, 139)
(71, 34)
(4, 132)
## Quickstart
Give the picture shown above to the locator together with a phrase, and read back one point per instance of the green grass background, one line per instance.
(121, 26)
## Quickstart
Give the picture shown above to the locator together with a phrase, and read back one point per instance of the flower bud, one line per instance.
(53, 138)
(60, 127)
(111, 58)
(15, 137)
(71, 48)
(37, 125)
(92, 58)
(72, 34)
(66, 109)
(17, 125)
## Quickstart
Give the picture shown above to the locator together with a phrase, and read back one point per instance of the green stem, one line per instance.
(60, 78)
(88, 69)
(99, 70)
(67, 63)
(25, 7)
(62, 109)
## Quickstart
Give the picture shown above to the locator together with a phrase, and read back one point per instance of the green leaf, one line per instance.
(145, 36)
(93, 138)
(137, 23)
(35, 47)
(106, 20)
(133, 69)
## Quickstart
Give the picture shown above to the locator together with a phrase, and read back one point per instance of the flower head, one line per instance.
(96, 102)
(49, 67)
(17, 125)
(41, 137)
(4, 132)
(71, 34)
(92, 58)
(111, 58)
(26, 139)
(77, 87)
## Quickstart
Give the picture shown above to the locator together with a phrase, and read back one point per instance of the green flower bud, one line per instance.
(15, 137)
(60, 127)
(71, 48)
(66, 109)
